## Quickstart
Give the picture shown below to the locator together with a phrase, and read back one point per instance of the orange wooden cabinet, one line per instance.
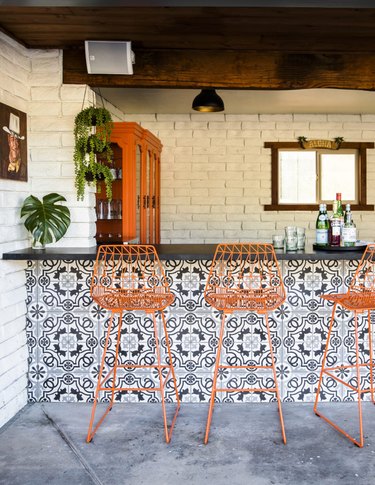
(134, 212)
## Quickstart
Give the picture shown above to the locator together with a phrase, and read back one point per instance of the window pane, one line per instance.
(297, 171)
(338, 174)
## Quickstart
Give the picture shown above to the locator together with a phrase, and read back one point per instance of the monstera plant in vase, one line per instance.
(46, 220)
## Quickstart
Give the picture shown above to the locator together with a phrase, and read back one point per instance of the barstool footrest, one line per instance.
(245, 367)
(246, 389)
(134, 366)
(349, 366)
(355, 389)
(120, 389)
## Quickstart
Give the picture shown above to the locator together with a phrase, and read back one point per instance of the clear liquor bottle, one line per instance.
(322, 226)
(349, 231)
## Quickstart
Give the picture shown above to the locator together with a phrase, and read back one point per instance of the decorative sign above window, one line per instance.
(328, 144)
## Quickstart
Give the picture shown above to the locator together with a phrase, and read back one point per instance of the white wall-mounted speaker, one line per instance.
(109, 57)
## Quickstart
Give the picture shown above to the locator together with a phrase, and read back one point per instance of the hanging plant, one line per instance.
(92, 136)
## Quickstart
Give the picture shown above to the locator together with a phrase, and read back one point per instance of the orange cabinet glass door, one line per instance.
(109, 213)
(138, 152)
(150, 220)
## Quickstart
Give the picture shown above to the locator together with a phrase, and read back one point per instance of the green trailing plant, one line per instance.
(89, 167)
(46, 219)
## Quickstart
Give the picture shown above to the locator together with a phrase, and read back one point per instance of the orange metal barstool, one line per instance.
(244, 278)
(360, 298)
(130, 278)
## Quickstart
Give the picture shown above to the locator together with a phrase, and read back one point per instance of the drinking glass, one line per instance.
(278, 241)
(301, 238)
(119, 209)
(100, 210)
(291, 238)
(109, 209)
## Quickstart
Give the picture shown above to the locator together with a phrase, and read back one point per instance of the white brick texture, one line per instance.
(225, 173)
(15, 68)
(31, 80)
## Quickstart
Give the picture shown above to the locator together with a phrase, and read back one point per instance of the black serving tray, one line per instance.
(360, 246)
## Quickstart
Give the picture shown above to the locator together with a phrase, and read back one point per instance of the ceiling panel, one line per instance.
(244, 102)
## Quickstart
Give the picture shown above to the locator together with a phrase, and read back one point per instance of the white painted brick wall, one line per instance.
(215, 172)
(15, 68)
(52, 109)
(31, 80)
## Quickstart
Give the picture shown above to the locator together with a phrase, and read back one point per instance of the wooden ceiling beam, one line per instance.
(282, 29)
(289, 40)
(176, 68)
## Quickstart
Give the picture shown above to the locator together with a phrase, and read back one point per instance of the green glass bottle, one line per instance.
(340, 214)
(340, 209)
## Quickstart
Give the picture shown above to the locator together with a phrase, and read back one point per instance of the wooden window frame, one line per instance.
(362, 177)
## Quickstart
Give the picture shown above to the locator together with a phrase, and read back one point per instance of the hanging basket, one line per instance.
(89, 177)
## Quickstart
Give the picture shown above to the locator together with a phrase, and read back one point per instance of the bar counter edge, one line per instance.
(174, 251)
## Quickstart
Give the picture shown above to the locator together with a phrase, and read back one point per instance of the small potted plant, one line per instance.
(46, 220)
(92, 135)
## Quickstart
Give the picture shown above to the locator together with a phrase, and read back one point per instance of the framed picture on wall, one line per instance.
(13, 144)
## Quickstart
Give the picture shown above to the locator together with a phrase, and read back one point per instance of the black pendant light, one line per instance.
(208, 101)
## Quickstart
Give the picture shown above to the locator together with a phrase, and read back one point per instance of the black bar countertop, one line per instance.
(178, 252)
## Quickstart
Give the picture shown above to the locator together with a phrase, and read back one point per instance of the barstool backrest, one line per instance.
(128, 268)
(248, 269)
(364, 278)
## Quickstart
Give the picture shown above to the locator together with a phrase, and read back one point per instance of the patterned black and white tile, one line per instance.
(66, 333)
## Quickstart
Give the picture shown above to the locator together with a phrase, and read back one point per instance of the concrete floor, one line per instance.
(45, 443)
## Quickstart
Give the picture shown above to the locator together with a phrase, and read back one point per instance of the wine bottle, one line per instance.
(340, 213)
(335, 232)
(322, 226)
(340, 210)
(349, 231)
